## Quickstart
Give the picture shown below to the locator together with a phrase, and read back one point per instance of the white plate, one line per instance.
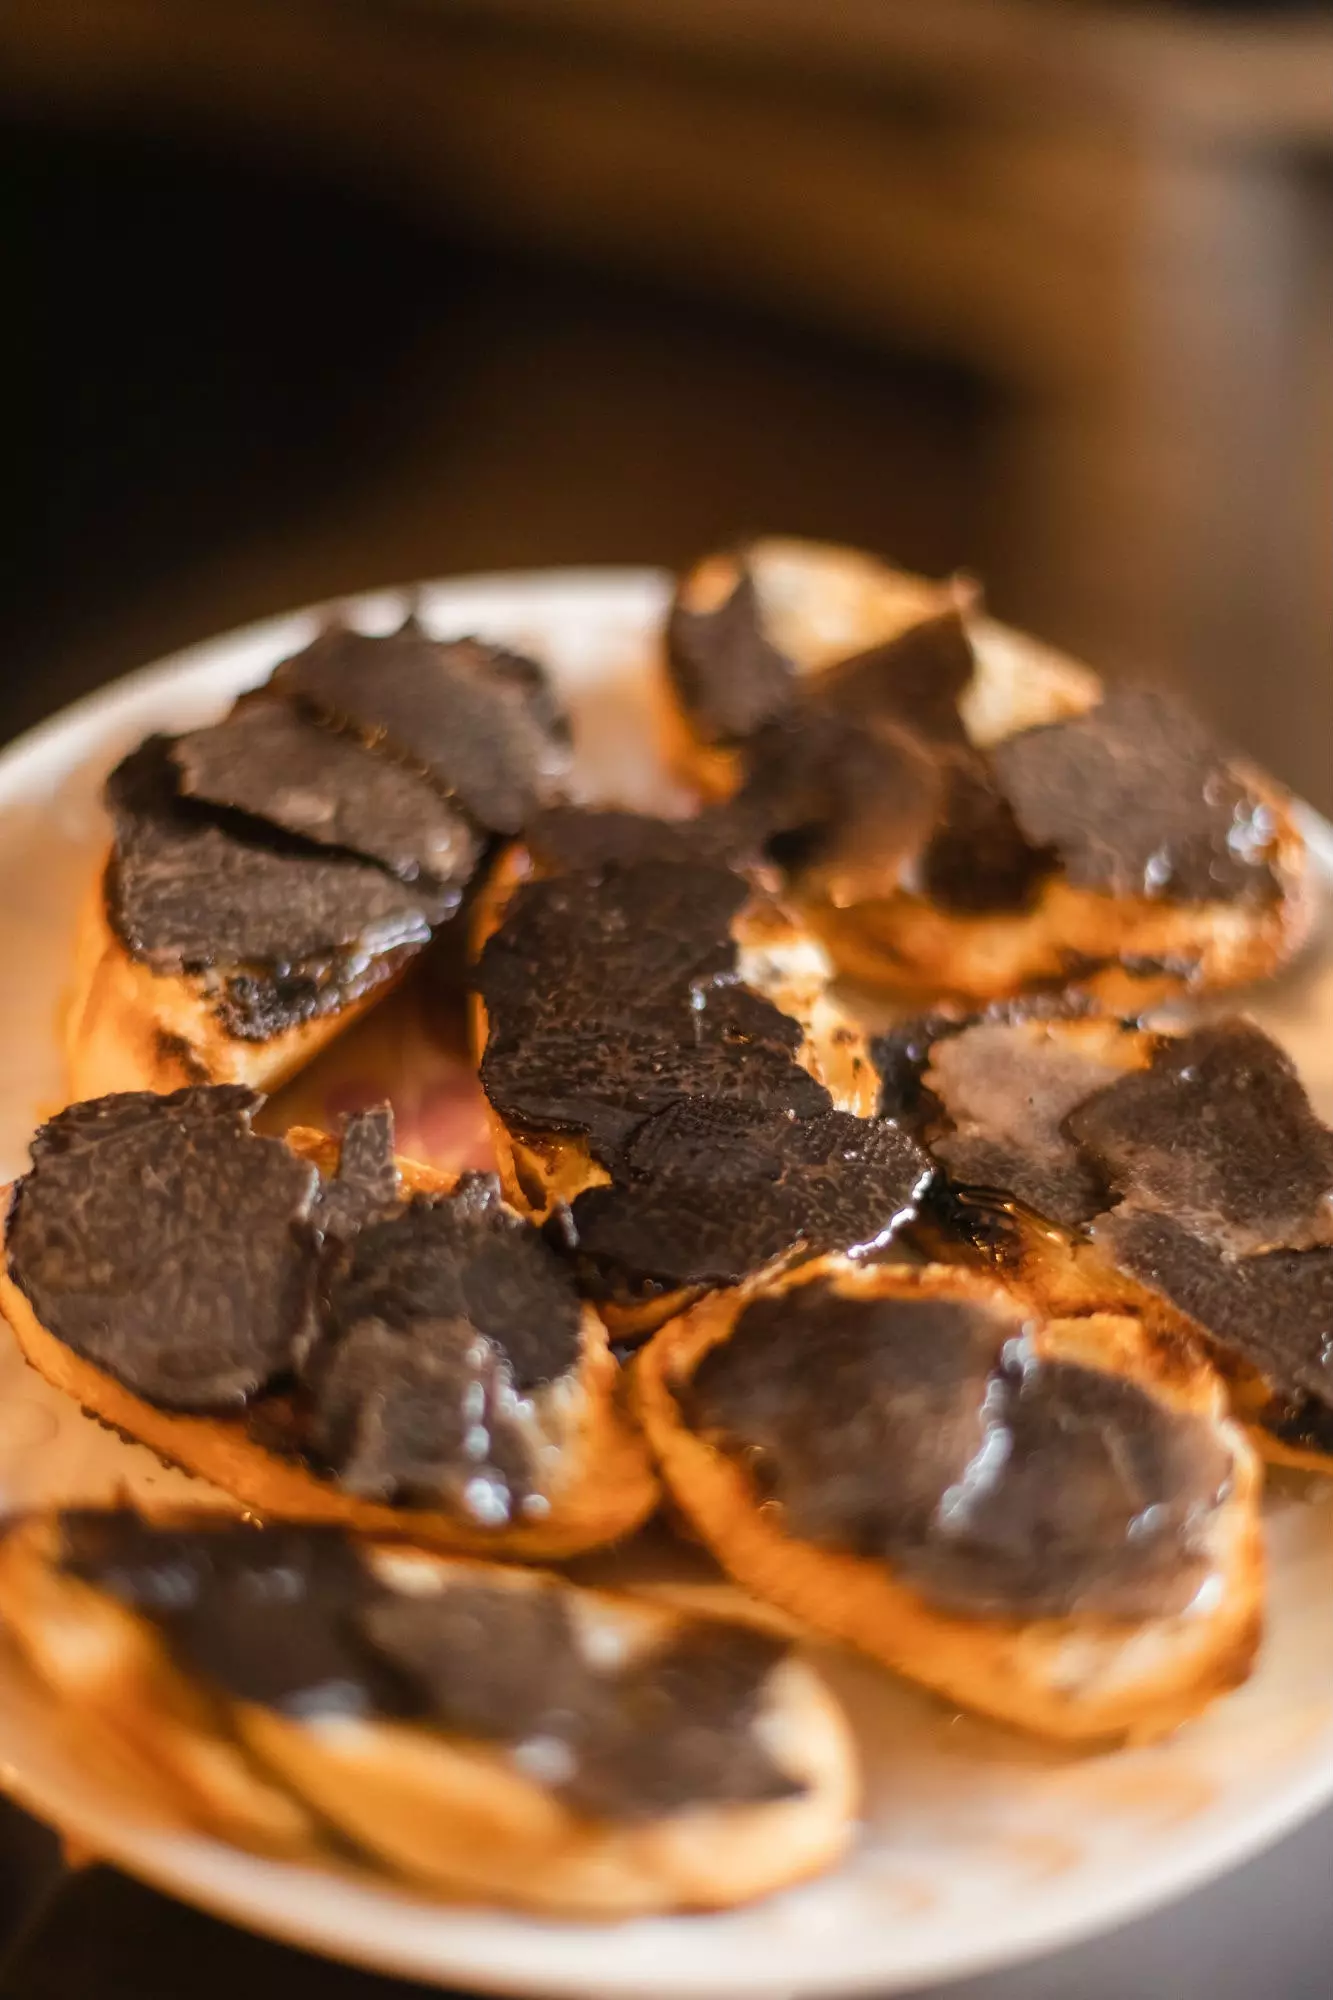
(977, 1848)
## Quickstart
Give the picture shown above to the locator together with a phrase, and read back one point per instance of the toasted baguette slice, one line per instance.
(1077, 1678)
(822, 604)
(605, 1491)
(1023, 1088)
(1065, 1274)
(777, 958)
(127, 1027)
(457, 1814)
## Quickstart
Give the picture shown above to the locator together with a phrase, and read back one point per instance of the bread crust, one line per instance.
(609, 1491)
(127, 1027)
(779, 959)
(900, 941)
(1077, 1679)
(457, 1816)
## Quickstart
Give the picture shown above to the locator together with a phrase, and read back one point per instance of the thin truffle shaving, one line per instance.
(926, 1434)
(711, 1192)
(1194, 1161)
(285, 930)
(730, 678)
(1138, 799)
(480, 721)
(168, 1243)
(422, 1352)
(294, 1619)
(614, 1010)
(268, 760)
(1218, 1134)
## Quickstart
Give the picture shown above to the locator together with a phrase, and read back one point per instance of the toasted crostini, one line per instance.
(1049, 1520)
(323, 1331)
(480, 1731)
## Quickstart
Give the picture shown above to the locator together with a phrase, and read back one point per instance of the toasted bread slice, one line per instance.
(1065, 1274)
(127, 1027)
(1081, 1677)
(821, 605)
(778, 959)
(1240, 1262)
(437, 1803)
(605, 1488)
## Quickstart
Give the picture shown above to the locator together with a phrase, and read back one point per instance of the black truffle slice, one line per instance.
(603, 1080)
(592, 943)
(1138, 799)
(728, 676)
(851, 803)
(1218, 1134)
(1006, 1089)
(466, 1255)
(167, 1243)
(448, 1318)
(711, 1192)
(1274, 1313)
(612, 994)
(566, 839)
(289, 1617)
(977, 860)
(269, 1615)
(671, 1728)
(481, 722)
(268, 760)
(921, 1432)
(290, 929)
(422, 1415)
(365, 1187)
(916, 678)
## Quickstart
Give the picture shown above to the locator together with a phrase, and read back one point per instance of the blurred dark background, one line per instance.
(311, 295)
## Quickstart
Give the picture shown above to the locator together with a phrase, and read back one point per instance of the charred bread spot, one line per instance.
(175, 1053)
